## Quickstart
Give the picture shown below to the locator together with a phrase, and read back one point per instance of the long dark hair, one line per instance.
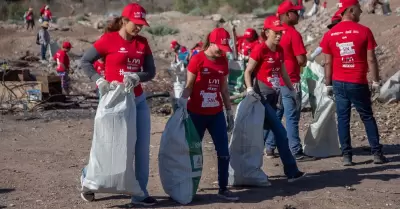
(206, 43)
(115, 24)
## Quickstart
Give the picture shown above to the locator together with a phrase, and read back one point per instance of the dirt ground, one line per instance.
(41, 158)
(41, 161)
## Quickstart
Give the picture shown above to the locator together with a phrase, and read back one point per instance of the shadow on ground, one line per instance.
(324, 179)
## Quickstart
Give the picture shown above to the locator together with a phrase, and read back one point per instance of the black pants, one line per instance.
(30, 23)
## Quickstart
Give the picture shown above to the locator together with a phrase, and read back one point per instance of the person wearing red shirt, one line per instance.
(129, 60)
(47, 16)
(247, 42)
(294, 58)
(63, 70)
(181, 52)
(206, 83)
(349, 50)
(266, 64)
(30, 22)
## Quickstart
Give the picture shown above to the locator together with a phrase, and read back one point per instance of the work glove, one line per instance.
(230, 120)
(250, 91)
(376, 87)
(182, 102)
(329, 92)
(131, 81)
(103, 86)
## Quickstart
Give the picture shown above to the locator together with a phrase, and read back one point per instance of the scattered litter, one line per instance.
(349, 188)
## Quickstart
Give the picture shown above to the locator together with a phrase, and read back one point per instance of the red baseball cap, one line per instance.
(249, 33)
(66, 45)
(344, 4)
(220, 37)
(135, 13)
(173, 44)
(273, 23)
(287, 6)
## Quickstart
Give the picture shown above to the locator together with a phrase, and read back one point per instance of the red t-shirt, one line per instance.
(100, 67)
(348, 43)
(29, 15)
(325, 4)
(47, 14)
(292, 44)
(61, 57)
(269, 64)
(122, 57)
(206, 95)
(246, 46)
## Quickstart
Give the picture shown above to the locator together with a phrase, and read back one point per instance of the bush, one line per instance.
(161, 30)
(15, 11)
(184, 6)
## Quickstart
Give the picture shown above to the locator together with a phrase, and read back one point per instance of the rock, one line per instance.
(11, 205)
(64, 22)
(216, 18)
(99, 24)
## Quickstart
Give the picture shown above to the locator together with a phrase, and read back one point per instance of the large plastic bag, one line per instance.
(247, 145)
(180, 159)
(390, 91)
(308, 81)
(111, 163)
(321, 139)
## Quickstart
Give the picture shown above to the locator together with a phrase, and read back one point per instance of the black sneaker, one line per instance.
(380, 159)
(148, 201)
(303, 158)
(297, 177)
(87, 196)
(348, 160)
(227, 195)
(270, 154)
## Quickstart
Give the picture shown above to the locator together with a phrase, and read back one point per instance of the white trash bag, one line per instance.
(111, 163)
(247, 145)
(390, 91)
(180, 159)
(321, 139)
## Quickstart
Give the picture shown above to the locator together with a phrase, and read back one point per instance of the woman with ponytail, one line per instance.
(206, 82)
(129, 60)
(266, 66)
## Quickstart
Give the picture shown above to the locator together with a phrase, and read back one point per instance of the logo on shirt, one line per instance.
(220, 72)
(271, 60)
(122, 50)
(134, 61)
(139, 52)
(346, 48)
(205, 71)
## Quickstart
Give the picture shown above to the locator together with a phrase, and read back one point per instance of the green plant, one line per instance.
(15, 11)
(161, 30)
(183, 5)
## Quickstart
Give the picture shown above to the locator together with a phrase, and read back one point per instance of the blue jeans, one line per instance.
(275, 125)
(142, 151)
(216, 126)
(291, 110)
(43, 50)
(359, 95)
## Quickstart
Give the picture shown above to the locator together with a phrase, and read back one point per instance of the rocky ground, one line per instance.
(42, 152)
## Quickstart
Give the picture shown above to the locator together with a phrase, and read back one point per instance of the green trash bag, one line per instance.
(180, 158)
(236, 78)
(308, 80)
